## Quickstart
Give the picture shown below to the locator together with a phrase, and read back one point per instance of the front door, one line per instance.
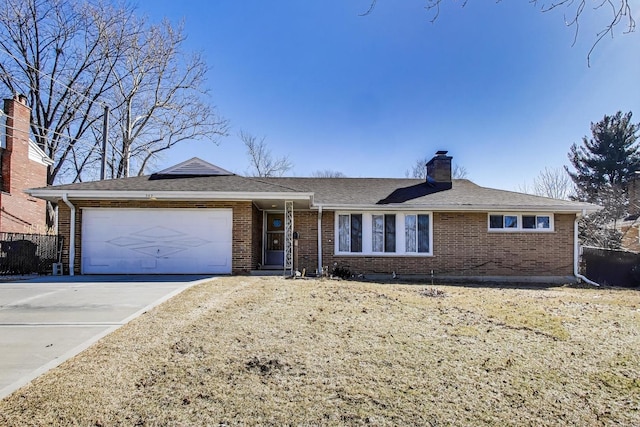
(274, 240)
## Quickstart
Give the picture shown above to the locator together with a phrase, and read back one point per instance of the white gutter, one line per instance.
(576, 253)
(463, 208)
(45, 193)
(72, 234)
(320, 240)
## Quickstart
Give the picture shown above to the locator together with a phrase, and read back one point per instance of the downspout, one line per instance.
(576, 253)
(320, 240)
(72, 233)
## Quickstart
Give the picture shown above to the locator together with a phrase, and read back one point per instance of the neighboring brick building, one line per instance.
(24, 166)
(198, 218)
(629, 226)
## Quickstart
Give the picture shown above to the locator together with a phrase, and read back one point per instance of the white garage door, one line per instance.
(156, 241)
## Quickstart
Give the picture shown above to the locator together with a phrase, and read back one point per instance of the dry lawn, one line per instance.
(269, 351)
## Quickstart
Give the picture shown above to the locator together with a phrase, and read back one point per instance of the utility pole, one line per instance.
(105, 130)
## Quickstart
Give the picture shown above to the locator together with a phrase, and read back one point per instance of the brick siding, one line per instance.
(306, 253)
(19, 212)
(242, 257)
(630, 236)
(257, 237)
(463, 246)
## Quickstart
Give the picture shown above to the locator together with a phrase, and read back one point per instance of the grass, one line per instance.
(269, 351)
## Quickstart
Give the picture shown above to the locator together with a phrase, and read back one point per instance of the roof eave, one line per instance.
(588, 208)
(55, 195)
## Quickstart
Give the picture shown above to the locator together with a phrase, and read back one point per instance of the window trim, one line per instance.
(367, 234)
(520, 225)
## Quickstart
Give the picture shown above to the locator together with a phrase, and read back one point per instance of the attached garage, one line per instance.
(156, 241)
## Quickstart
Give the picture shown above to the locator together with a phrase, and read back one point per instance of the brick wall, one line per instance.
(242, 258)
(20, 213)
(462, 246)
(630, 236)
(306, 224)
(257, 237)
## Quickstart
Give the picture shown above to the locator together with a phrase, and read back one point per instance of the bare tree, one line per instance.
(551, 182)
(72, 58)
(419, 170)
(261, 162)
(159, 98)
(459, 172)
(327, 173)
(54, 52)
(617, 13)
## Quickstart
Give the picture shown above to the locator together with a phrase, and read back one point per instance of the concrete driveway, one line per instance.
(45, 321)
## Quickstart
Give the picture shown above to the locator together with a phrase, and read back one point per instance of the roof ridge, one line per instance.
(262, 180)
(525, 194)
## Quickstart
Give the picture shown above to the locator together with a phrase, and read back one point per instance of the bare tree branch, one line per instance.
(56, 56)
(620, 11)
(371, 7)
(327, 173)
(419, 170)
(54, 52)
(73, 57)
(160, 99)
(459, 172)
(551, 182)
(261, 162)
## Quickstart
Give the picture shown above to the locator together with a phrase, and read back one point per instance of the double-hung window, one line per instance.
(350, 233)
(416, 230)
(383, 233)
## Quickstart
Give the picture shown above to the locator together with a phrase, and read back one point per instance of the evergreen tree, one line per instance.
(608, 159)
(604, 164)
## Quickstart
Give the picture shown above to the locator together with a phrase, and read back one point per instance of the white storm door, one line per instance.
(156, 241)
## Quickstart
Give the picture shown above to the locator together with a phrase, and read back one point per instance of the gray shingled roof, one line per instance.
(330, 192)
(150, 183)
(464, 194)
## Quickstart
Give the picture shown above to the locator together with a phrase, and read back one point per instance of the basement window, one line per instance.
(520, 222)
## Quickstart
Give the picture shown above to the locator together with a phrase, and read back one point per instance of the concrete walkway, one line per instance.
(45, 321)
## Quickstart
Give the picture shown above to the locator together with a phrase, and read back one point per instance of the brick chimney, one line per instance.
(439, 168)
(23, 166)
(16, 149)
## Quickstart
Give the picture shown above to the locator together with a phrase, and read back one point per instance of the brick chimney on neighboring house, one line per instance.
(24, 166)
(439, 168)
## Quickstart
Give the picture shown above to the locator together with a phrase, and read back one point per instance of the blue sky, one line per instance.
(499, 85)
